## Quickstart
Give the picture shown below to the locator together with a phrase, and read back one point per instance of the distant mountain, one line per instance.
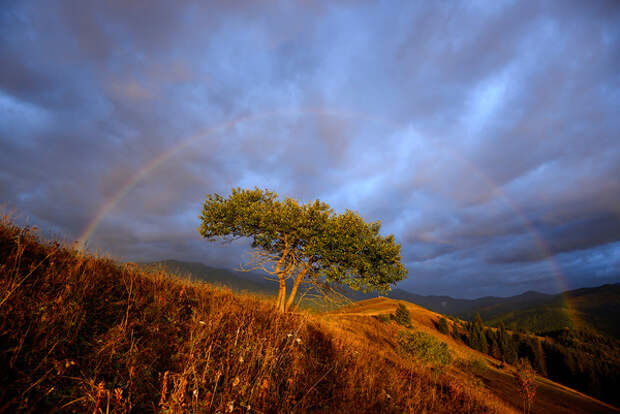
(597, 308)
(490, 305)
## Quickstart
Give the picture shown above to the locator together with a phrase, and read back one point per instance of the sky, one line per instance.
(485, 135)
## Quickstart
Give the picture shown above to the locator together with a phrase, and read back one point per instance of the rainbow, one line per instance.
(152, 165)
(164, 156)
(141, 174)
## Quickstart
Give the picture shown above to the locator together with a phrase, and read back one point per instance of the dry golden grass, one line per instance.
(85, 334)
(422, 319)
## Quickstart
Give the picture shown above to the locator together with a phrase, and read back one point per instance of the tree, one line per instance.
(306, 242)
(504, 344)
(493, 347)
(456, 334)
(477, 338)
(525, 378)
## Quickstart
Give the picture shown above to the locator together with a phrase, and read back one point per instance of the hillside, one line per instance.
(85, 334)
(551, 396)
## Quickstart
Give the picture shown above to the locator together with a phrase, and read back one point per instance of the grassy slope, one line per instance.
(551, 397)
(237, 281)
(84, 334)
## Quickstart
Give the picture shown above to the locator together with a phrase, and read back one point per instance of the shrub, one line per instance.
(473, 365)
(402, 315)
(442, 326)
(425, 347)
(383, 317)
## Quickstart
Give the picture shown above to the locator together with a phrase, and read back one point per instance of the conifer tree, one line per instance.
(477, 339)
(503, 342)
(455, 331)
(491, 338)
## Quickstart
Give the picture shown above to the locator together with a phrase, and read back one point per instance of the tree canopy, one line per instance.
(306, 242)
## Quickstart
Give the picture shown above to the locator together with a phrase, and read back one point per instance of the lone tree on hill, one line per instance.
(305, 242)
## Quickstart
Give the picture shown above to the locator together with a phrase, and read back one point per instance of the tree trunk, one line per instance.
(282, 277)
(296, 283)
(281, 296)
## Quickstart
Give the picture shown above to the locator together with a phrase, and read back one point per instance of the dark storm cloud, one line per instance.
(567, 237)
(484, 135)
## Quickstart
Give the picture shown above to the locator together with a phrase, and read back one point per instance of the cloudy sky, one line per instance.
(484, 135)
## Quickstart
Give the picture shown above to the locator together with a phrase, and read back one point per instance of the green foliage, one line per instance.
(493, 346)
(442, 326)
(456, 334)
(538, 319)
(474, 365)
(424, 347)
(584, 360)
(506, 346)
(597, 308)
(530, 348)
(402, 316)
(477, 338)
(581, 359)
(305, 241)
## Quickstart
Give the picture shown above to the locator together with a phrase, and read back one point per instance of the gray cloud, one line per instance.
(483, 135)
